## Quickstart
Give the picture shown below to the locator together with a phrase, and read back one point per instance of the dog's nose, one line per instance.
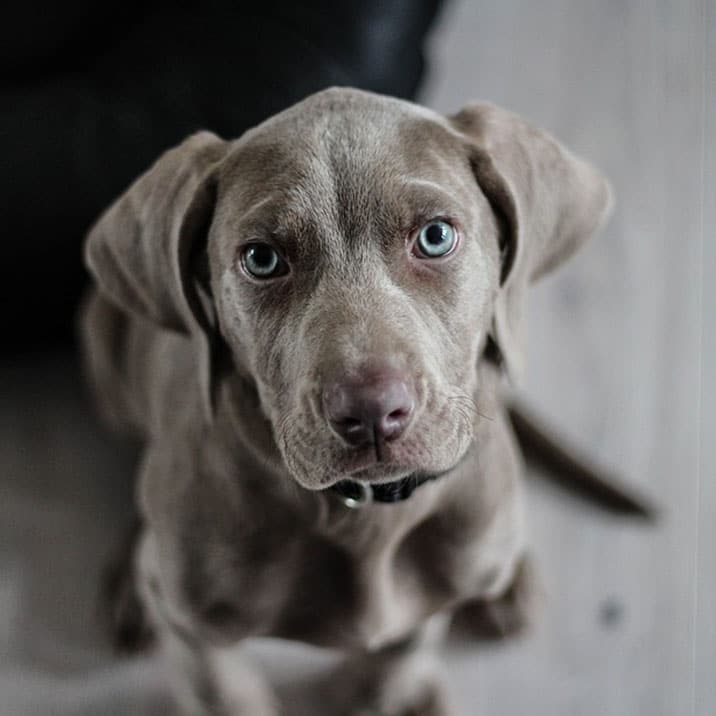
(378, 406)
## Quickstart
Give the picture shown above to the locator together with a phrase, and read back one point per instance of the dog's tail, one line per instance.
(562, 464)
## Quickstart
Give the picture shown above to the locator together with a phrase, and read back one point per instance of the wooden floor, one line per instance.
(622, 348)
(622, 357)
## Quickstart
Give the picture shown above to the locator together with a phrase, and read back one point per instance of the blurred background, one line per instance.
(622, 340)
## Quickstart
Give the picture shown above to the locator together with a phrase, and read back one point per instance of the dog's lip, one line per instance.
(362, 465)
(387, 473)
(377, 473)
(371, 472)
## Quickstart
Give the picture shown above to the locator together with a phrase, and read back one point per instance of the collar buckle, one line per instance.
(354, 495)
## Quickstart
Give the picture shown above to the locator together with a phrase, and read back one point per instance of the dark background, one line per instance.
(92, 93)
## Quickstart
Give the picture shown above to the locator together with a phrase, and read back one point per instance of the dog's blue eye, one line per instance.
(435, 239)
(263, 261)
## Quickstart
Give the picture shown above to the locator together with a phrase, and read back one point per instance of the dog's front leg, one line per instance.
(212, 681)
(207, 680)
(401, 679)
(510, 613)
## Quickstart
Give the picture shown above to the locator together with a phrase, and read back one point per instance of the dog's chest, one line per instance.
(372, 582)
(358, 579)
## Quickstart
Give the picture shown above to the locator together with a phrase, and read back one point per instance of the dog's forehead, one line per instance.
(339, 154)
(334, 117)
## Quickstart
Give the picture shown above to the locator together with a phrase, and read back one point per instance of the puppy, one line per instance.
(308, 328)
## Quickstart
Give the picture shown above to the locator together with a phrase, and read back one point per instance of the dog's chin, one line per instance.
(371, 466)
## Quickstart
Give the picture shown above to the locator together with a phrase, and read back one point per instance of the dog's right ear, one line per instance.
(143, 251)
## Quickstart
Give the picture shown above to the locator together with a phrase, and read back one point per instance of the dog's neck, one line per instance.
(356, 494)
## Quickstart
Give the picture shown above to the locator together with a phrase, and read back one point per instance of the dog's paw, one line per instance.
(431, 700)
(432, 703)
(380, 685)
(510, 614)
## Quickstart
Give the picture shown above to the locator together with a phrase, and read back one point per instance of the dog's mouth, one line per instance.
(363, 466)
(371, 463)
(389, 462)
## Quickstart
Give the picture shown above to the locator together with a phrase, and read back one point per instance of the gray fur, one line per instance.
(222, 377)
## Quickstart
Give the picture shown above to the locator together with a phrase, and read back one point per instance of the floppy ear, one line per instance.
(144, 250)
(548, 202)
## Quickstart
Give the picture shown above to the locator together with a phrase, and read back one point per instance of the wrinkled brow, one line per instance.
(425, 199)
(400, 204)
(275, 216)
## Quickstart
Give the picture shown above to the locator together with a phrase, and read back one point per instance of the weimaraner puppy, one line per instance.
(308, 328)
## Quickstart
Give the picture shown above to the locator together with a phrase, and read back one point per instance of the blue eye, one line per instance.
(263, 261)
(435, 239)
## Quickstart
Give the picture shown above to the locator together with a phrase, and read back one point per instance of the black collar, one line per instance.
(357, 494)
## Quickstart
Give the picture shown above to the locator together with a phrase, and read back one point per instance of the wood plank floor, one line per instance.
(615, 348)
(622, 358)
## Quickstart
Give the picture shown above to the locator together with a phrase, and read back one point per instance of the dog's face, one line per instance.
(355, 263)
(361, 249)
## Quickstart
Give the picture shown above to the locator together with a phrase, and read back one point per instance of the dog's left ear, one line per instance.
(548, 202)
(146, 251)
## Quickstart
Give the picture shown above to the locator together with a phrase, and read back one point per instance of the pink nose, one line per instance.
(373, 407)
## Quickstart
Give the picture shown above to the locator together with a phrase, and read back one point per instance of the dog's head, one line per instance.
(361, 251)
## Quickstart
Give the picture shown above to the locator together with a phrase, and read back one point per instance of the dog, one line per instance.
(308, 328)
